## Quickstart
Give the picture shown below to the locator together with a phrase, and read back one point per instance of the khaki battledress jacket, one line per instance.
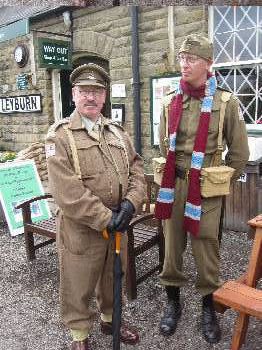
(205, 246)
(106, 157)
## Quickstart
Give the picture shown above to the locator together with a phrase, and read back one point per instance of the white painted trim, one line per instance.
(56, 94)
(237, 64)
(32, 59)
(210, 22)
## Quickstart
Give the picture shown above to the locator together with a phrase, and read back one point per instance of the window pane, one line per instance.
(259, 111)
(223, 48)
(225, 79)
(246, 17)
(248, 107)
(223, 19)
(260, 79)
(260, 42)
(259, 15)
(245, 45)
(246, 81)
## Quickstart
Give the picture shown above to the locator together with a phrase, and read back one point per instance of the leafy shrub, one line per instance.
(7, 156)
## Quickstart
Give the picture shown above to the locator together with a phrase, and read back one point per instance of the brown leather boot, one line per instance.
(80, 345)
(127, 335)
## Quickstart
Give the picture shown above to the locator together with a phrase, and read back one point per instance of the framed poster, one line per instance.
(19, 180)
(159, 87)
(118, 113)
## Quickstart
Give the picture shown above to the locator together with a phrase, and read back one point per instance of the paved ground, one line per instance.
(29, 303)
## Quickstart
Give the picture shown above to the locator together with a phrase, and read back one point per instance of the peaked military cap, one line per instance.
(199, 45)
(90, 74)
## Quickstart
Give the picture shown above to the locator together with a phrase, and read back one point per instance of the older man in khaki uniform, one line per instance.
(193, 113)
(88, 156)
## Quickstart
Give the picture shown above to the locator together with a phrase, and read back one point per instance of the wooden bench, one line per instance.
(144, 232)
(242, 294)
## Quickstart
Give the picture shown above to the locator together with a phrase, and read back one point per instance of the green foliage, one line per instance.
(7, 156)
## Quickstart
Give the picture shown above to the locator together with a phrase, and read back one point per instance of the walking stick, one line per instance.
(117, 286)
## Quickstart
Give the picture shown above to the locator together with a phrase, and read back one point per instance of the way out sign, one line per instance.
(56, 54)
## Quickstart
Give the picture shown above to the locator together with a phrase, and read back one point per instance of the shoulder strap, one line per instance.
(74, 150)
(225, 97)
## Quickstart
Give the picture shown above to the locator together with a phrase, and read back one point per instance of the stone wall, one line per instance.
(19, 130)
(103, 32)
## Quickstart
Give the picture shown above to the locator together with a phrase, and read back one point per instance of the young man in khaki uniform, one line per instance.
(193, 142)
(88, 156)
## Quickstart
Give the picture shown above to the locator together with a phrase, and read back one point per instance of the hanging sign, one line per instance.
(56, 54)
(19, 180)
(24, 104)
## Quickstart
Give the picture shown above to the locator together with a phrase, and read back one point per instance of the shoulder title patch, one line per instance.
(53, 127)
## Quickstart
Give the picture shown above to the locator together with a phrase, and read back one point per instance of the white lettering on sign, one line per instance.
(62, 50)
(242, 177)
(48, 48)
(29, 103)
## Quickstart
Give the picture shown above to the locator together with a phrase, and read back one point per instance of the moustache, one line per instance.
(91, 104)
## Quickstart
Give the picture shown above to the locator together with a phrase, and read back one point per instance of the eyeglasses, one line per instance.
(86, 93)
(188, 59)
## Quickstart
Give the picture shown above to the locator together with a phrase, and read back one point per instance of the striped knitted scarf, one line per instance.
(166, 195)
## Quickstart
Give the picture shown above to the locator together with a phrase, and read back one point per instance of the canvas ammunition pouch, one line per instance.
(215, 179)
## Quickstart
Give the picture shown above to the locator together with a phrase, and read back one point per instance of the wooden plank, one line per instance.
(239, 332)
(240, 297)
(254, 271)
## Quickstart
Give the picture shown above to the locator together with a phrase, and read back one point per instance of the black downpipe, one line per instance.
(136, 78)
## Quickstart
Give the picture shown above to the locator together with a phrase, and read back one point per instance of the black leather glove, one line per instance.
(111, 227)
(125, 215)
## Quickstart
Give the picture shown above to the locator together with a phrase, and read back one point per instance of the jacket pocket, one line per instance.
(90, 158)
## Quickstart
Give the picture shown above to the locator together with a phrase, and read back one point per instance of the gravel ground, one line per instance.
(29, 302)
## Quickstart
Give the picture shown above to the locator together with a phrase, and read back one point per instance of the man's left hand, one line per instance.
(125, 215)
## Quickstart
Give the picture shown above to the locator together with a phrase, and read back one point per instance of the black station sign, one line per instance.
(17, 104)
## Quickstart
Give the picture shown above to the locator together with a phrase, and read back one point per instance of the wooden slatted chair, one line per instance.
(144, 232)
(46, 228)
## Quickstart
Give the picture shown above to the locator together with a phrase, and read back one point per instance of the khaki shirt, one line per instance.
(88, 201)
(234, 132)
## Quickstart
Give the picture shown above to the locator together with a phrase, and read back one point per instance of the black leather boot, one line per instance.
(172, 311)
(209, 323)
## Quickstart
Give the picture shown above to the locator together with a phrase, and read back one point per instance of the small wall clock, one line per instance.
(21, 55)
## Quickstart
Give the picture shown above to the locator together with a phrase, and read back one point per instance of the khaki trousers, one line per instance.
(86, 268)
(205, 247)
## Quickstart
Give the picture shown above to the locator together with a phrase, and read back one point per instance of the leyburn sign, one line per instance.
(54, 53)
(26, 104)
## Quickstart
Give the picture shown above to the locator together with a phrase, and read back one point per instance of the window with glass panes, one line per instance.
(236, 32)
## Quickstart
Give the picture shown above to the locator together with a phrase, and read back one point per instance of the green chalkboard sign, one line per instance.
(19, 180)
(55, 54)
